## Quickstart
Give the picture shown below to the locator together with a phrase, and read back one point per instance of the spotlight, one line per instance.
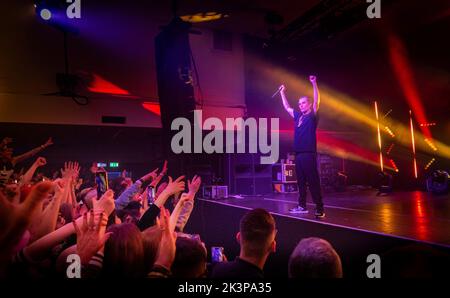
(438, 182)
(45, 14)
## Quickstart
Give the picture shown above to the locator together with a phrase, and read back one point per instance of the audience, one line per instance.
(128, 232)
(314, 258)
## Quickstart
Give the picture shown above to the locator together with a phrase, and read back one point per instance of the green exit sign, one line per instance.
(113, 164)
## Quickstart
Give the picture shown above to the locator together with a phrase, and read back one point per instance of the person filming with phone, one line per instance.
(256, 238)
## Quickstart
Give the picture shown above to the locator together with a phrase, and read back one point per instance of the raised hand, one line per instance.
(71, 170)
(175, 186)
(167, 248)
(194, 185)
(91, 237)
(16, 218)
(164, 170)
(105, 203)
(282, 88)
(48, 143)
(40, 161)
(152, 175)
(312, 79)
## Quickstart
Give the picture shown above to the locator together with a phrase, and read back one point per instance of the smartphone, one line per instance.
(217, 254)
(151, 193)
(101, 179)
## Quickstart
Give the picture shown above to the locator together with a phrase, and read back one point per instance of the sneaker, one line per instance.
(319, 214)
(298, 209)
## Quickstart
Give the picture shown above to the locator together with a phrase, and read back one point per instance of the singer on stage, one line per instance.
(305, 146)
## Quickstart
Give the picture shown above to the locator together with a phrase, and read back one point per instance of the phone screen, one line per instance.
(217, 254)
(101, 179)
(151, 194)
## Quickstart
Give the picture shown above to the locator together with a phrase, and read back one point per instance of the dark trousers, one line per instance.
(307, 172)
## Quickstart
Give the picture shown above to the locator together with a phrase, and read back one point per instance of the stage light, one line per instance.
(389, 131)
(390, 149)
(413, 144)
(202, 17)
(430, 143)
(379, 137)
(101, 85)
(153, 107)
(45, 14)
(438, 182)
(428, 124)
(393, 165)
(351, 110)
(347, 150)
(429, 163)
(402, 70)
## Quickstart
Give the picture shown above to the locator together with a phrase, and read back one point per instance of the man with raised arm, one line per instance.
(305, 146)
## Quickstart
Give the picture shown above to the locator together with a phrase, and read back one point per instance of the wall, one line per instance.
(113, 54)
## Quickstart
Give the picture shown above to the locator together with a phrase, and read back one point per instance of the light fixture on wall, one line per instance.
(203, 17)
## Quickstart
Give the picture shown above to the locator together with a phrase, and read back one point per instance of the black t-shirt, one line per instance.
(236, 269)
(305, 132)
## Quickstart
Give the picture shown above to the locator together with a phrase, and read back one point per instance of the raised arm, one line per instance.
(316, 103)
(188, 205)
(39, 249)
(31, 153)
(26, 178)
(125, 198)
(286, 105)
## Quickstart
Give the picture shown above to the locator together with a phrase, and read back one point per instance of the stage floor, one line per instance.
(412, 215)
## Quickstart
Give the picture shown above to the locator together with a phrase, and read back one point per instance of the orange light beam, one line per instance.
(379, 137)
(413, 143)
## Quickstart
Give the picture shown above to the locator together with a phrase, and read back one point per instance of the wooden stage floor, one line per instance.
(415, 215)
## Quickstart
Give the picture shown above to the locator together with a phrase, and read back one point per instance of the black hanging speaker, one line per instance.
(174, 72)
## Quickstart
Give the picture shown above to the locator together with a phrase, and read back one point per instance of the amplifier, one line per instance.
(215, 191)
(285, 187)
(283, 173)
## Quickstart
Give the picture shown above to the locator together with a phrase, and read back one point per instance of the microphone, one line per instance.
(278, 91)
